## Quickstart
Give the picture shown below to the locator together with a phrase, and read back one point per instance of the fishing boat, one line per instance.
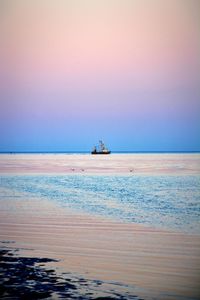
(101, 149)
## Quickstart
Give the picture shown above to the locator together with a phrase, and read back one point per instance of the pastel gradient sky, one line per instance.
(76, 71)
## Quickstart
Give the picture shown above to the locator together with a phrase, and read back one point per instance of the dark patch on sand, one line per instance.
(30, 278)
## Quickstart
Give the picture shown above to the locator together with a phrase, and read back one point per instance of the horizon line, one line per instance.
(86, 152)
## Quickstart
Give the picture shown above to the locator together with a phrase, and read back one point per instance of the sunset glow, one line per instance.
(74, 71)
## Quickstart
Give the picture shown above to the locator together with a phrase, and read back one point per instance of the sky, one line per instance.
(76, 71)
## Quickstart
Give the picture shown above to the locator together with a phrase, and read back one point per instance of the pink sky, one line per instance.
(57, 38)
(63, 56)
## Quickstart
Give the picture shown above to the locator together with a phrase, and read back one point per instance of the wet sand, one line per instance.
(34, 278)
(158, 264)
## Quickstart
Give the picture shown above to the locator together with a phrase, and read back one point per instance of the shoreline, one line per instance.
(154, 261)
(30, 277)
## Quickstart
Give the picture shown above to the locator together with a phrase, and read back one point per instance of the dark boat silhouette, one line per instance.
(101, 149)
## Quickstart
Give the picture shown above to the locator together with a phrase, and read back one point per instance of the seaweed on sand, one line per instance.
(29, 278)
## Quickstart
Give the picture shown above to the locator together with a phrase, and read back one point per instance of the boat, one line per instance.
(101, 149)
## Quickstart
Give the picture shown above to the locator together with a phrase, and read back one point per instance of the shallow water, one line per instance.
(170, 202)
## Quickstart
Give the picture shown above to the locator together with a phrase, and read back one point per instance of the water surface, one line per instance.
(170, 202)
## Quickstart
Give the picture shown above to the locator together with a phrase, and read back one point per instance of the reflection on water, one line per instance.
(164, 201)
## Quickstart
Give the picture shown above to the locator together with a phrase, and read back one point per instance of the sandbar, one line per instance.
(131, 164)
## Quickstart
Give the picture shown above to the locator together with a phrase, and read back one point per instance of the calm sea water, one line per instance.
(171, 202)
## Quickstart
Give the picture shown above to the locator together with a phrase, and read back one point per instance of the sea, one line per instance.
(163, 201)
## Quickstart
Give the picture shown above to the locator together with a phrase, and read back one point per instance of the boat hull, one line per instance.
(100, 152)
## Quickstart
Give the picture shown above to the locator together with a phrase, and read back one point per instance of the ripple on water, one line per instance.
(166, 201)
